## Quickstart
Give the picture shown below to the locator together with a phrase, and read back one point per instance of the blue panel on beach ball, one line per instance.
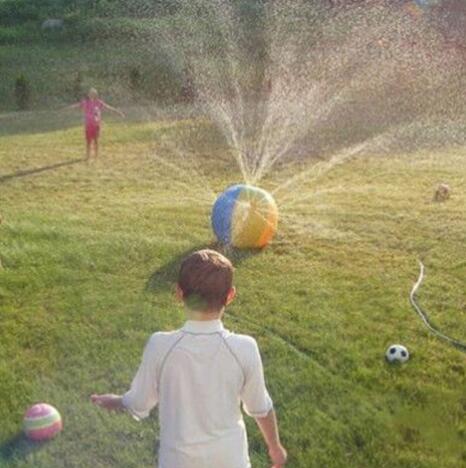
(426, 3)
(222, 213)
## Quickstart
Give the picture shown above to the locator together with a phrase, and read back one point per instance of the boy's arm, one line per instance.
(109, 401)
(269, 428)
(258, 404)
(113, 109)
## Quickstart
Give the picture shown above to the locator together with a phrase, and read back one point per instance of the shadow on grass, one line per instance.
(167, 275)
(18, 447)
(37, 170)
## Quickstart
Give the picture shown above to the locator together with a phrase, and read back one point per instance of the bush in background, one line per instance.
(77, 89)
(22, 92)
(135, 79)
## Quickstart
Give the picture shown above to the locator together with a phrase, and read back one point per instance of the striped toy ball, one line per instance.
(245, 217)
(419, 7)
(42, 422)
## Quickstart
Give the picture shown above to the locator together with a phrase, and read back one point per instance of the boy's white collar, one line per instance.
(203, 326)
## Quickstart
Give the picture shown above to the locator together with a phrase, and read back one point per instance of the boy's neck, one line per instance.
(204, 316)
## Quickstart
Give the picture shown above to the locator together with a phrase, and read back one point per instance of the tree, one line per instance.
(22, 92)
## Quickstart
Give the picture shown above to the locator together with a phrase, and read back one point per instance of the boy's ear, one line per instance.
(231, 295)
(179, 293)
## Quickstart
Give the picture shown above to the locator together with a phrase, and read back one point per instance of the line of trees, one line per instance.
(15, 12)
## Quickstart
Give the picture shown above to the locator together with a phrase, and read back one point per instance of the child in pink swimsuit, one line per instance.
(92, 107)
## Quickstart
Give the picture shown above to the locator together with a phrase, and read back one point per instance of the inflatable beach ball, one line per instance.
(245, 217)
(416, 8)
(42, 422)
(426, 3)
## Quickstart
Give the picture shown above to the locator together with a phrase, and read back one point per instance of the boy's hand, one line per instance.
(269, 428)
(278, 455)
(108, 401)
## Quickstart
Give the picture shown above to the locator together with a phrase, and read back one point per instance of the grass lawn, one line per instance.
(89, 253)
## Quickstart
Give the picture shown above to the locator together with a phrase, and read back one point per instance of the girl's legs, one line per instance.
(96, 147)
(89, 137)
(92, 136)
(88, 149)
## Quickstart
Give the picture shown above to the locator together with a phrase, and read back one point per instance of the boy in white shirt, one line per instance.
(198, 375)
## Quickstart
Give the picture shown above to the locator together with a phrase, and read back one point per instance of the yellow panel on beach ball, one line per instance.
(254, 219)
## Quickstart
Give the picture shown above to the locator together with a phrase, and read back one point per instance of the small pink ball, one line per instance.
(42, 422)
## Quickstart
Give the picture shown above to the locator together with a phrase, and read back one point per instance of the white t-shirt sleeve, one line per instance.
(142, 396)
(254, 395)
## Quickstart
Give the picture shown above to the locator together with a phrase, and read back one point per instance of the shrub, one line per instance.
(109, 9)
(77, 89)
(22, 92)
(135, 79)
(14, 12)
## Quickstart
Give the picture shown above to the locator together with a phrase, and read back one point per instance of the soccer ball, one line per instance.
(397, 353)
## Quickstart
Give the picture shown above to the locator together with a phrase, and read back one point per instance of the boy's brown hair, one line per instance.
(205, 279)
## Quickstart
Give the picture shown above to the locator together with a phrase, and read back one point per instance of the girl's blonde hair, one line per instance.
(93, 92)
